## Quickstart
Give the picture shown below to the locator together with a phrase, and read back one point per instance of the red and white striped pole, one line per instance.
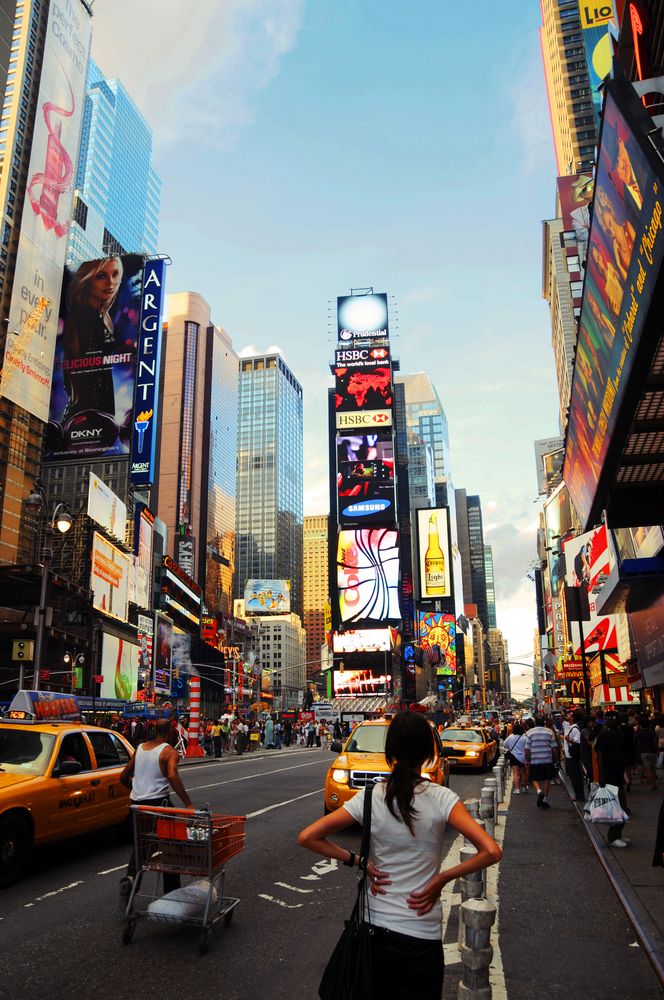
(194, 748)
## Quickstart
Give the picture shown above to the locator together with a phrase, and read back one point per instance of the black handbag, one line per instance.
(348, 974)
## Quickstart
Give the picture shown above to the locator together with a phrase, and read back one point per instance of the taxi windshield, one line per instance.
(461, 736)
(23, 751)
(367, 739)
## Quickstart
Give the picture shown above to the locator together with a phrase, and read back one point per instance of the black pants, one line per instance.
(217, 745)
(405, 967)
(573, 769)
(171, 881)
(615, 832)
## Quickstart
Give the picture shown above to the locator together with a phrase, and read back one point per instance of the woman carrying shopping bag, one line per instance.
(402, 910)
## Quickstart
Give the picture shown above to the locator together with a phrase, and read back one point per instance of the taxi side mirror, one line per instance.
(66, 768)
(336, 746)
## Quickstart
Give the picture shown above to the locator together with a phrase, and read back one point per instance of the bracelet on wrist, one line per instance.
(350, 863)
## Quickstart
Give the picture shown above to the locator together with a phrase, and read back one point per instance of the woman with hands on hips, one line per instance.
(409, 814)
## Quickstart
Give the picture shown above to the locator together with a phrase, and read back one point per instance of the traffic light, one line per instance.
(22, 649)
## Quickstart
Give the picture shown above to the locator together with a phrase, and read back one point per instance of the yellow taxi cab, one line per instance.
(470, 746)
(362, 761)
(58, 776)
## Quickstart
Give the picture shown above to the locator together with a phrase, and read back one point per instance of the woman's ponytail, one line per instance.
(408, 746)
(401, 789)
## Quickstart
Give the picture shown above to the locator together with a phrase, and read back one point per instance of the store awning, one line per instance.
(604, 694)
(366, 705)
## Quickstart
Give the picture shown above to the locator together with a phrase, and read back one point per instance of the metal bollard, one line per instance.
(487, 808)
(473, 807)
(472, 885)
(493, 784)
(498, 775)
(478, 916)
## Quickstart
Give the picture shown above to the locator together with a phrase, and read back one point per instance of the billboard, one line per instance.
(437, 633)
(109, 579)
(358, 389)
(368, 575)
(365, 419)
(365, 477)
(119, 668)
(106, 508)
(366, 640)
(361, 357)
(624, 257)
(162, 654)
(575, 192)
(360, 683)
(145, 637)
(362, 317)
(95, 360)
(434, 553)
(181, 651)
(548, 448)
(648, 629)
(28, 364)
(558, 520)
(595, 20)
(143, 561)
(588, 564)
(148, 363)
(267, 597)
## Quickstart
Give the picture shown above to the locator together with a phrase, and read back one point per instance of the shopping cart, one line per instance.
(192, 844)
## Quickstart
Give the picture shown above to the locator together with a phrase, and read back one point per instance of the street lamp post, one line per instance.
(61, 520)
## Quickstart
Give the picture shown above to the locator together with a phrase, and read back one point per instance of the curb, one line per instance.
(646, 930)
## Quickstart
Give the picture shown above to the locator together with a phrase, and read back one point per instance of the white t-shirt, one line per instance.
(573, 735)
(411, 861)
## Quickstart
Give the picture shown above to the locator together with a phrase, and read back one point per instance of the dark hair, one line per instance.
(517, 729)
(408, 745)
(163, 729)
(579, 715)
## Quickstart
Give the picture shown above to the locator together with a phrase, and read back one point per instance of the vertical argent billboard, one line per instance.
(33, 312)
(148, 359)
(92, 395)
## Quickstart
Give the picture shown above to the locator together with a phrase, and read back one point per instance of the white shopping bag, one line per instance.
(605, 806)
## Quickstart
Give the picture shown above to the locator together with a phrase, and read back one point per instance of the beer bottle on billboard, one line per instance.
(434, 563)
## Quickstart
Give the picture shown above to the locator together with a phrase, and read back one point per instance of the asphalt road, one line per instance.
(60, 926)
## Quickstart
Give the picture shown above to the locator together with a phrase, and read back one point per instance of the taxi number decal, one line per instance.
(77, 801)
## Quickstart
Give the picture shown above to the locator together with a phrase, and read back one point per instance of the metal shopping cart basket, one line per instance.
(193, 845)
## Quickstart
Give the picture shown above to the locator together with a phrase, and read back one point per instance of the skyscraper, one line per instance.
(573, 118)
(194, 491)
(471, 547)
(270, 475)
(315, 589)
(562, 290)
(118, 195)
(426, 422)
(490, 586)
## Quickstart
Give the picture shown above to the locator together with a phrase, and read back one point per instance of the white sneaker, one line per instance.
(516, 791)
(618, 843)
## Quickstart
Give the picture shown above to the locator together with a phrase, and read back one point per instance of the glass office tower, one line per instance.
(270, 475)
(426, 422)
(118, 193)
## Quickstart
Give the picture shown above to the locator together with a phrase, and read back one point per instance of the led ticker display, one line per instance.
(437, 634)
(368, 575)
(362, 317)
(625, 253)
(366, 640)
(365, 477)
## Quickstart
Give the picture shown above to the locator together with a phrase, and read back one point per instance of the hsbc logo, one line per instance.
(365, 418)
(361, 357)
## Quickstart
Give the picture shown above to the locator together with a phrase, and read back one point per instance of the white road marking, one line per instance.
(248, 777)
(280, 902)
(294, 888)
(323, 867)
(278, 805)
(309, 878)
(55, 892)
(109, 871)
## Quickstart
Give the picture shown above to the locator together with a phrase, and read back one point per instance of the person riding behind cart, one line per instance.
(150, 775)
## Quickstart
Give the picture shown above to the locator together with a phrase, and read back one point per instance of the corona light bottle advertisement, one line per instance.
(434, 552)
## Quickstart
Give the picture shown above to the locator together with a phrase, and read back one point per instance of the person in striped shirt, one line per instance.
(541, 754)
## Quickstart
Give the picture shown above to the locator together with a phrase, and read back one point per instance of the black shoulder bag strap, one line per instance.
(366, 828)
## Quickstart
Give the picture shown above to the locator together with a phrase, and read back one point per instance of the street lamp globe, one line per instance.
(63, 521)
(34, 501)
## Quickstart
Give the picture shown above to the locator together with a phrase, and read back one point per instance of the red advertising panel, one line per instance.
(625, 253)
(587, 561)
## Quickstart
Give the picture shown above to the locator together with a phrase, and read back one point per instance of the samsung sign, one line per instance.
(365, 508)
(148, 361)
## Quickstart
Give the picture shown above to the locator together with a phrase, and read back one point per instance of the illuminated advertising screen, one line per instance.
(368, 575)
(267, 597)
(119, 668)
(365, 477)
(575, 192)
(145, 640)
(588, 563)
(162, 654)
(360, 683)
(558, 520)
(362, 317)
(437, 634)
(92, 396)
(366, 640)
(144, 547)
(148, 363)
(361, 357)
(360, 391)
(109, 579)
(106, 508)
(434, 553)
(32, 324)
(598, 45)
(624, 259)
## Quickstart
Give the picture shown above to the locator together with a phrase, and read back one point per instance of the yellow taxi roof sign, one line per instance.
(43, 706)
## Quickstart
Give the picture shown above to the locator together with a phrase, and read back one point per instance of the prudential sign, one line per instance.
(148, 360)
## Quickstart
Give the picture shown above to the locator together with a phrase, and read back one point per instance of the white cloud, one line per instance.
(530, 117)
(195, 73)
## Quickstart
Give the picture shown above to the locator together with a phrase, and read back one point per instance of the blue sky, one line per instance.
(306, 147)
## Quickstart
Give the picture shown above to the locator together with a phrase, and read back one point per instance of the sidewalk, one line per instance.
(639, 886)
(561, 924)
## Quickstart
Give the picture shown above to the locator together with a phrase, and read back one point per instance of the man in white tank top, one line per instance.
(151, 774)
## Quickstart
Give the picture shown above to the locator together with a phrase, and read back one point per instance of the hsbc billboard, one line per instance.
(361, 357)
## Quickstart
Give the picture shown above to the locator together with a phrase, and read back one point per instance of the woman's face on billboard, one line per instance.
(104, 285)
